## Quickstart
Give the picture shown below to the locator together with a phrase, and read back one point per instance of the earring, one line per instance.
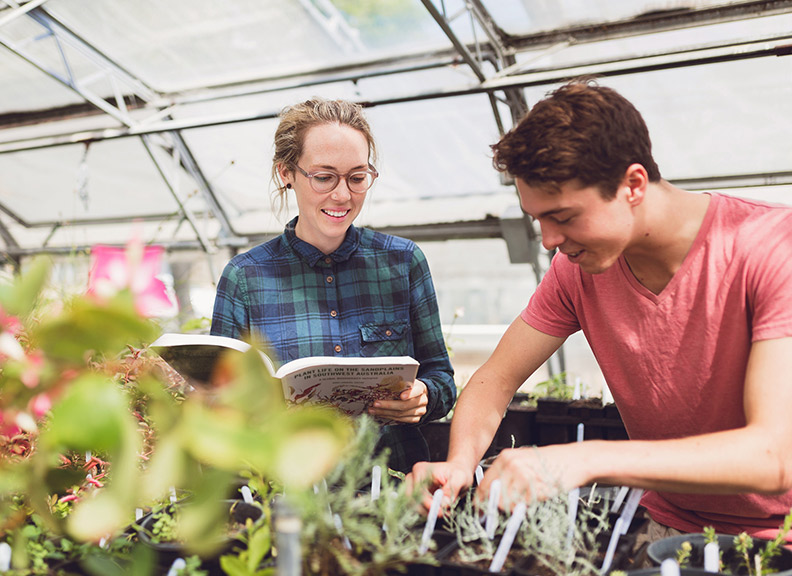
(288, 186)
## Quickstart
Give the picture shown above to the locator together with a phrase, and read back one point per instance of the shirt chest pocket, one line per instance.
(391, 339)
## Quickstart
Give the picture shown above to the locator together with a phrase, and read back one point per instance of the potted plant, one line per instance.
(738, 555)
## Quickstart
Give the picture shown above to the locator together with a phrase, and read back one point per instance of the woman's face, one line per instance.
(326, 217)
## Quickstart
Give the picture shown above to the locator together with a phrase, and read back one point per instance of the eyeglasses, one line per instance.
(325, 181)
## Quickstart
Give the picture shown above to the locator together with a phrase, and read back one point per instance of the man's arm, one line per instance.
(481, 405)
(754, 458)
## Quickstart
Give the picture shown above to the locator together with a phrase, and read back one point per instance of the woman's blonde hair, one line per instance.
(296, 120)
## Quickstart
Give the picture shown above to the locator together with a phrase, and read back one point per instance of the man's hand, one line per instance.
(533, 473)
(409, 408)
(429, 476)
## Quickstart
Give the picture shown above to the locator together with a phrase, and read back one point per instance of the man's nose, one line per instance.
(551, 237)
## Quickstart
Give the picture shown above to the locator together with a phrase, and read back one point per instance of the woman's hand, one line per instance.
(409, 408)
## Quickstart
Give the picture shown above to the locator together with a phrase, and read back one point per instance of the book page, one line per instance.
(349, 384)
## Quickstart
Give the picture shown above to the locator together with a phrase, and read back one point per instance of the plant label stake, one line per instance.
(479, 474)
(431, 520)
(580, 428)
(669, 567)
(515, 520)
(178, 565)
(340, 527)
(138, 514)
(173, 495)
(577, 389)
(711, 557)
(247, 495)
(492, 508)
(620, 496)
(287, 526)
(5, 557)
(614, 539)
(376, 479)
(629, 509)
(573, 498)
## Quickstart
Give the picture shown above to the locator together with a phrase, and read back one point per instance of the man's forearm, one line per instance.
(478, 414)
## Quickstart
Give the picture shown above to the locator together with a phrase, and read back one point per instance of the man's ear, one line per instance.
(635, 182)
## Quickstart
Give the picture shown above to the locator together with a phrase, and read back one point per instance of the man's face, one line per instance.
(577, 220)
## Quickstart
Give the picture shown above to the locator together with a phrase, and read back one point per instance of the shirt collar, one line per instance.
(311, 254)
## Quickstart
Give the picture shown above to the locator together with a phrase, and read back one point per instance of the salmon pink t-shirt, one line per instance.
(675, 361)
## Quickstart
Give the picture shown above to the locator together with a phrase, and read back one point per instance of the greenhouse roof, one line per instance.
(160, 115)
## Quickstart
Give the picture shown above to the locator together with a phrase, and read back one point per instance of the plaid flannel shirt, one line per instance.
(372, 297)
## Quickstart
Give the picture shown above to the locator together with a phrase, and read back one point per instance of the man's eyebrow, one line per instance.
(546, 213)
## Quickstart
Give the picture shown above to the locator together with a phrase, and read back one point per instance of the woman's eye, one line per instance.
(357, 178)
(323, 177)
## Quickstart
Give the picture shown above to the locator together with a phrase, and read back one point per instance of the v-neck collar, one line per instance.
(697, 245)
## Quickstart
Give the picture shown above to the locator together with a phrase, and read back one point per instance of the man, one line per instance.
(686, 302)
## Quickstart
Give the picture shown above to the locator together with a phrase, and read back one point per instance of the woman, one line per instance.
(327, 288)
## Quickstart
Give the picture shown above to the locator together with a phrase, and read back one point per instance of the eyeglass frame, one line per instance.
(309, 175)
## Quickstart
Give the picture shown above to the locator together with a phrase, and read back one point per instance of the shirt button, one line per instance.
(329, 279)
(328, 260)
(333, 313)
(388, 332)
(337, 348)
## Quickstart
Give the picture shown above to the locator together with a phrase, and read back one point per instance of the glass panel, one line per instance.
(121, 181)
(184, 44)
(529, 16)
(25, 87)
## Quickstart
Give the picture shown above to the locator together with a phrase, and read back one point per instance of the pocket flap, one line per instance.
(380, 332)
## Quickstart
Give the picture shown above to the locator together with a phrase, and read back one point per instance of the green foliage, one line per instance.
(683, 553)
(91, 329)
(85, 358)
(381, 23)
(555, 387)
(544, 534)
(21, 297)
(383, 534)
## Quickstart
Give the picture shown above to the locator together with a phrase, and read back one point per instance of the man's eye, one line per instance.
(563, 221)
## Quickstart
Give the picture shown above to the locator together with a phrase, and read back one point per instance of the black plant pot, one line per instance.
(668, 547)
(167, 552)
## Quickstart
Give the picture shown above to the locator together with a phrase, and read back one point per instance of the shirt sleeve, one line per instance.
(230, 316)
(769, 278)
(551, 309)
(430, 349)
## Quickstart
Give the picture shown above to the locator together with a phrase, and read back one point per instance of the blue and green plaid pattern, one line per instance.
(372, 297)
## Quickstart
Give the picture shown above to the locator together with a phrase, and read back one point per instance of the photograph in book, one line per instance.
(348, 384)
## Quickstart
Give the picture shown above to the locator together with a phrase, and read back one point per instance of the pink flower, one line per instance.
(9, 323)
(33, 363)
(40, 404)
(135, 268)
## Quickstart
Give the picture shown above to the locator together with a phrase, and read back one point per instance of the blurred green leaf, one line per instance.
(21, 296)
(97, 517)
(308, 442)
(91, 327)
(92, 415)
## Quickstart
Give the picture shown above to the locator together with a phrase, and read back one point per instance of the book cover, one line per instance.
(349, 384)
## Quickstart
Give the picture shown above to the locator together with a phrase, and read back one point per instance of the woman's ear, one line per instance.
(636, 181)
(286, 175)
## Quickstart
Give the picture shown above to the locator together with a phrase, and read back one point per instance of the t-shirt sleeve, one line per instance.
(770, 282)
(551, 308)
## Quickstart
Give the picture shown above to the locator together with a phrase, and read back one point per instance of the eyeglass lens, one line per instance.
(327, 181)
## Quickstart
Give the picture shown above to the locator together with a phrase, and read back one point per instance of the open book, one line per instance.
(347, 383)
